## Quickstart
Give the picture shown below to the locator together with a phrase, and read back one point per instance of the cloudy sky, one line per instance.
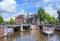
(12, 8)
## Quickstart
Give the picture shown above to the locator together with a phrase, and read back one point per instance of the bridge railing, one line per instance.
(8, 25)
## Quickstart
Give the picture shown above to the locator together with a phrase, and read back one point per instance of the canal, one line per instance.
(30, 35)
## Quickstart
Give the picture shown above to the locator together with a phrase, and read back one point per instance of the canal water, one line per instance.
(30, 35)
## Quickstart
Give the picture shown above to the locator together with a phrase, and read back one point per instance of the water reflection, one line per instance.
(30, 35)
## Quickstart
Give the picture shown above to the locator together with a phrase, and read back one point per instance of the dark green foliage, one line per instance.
(41, 14)
(1, 19)
(11, 21)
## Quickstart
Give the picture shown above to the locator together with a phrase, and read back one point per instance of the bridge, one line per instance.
(14, 26)
(21, 25)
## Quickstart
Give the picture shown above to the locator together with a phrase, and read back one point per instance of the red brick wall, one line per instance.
(1, 32)
(20, 20)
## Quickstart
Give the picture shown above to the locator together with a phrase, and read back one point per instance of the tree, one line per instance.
(50, 19)
(45, 17)
(41, 14)
(1, 19)
(11, 21)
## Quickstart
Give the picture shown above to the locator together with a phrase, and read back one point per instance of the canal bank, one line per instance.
(3, 32)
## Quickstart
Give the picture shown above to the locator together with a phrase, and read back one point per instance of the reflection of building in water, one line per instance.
(3, 39)
(38, 35)
(25, 33)
(15, 36)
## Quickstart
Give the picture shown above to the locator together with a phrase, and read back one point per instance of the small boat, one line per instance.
(48, 30)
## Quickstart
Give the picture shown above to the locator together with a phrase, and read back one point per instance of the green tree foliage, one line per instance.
(1, 19)
(11, 21)
(50, 19)
(45, 17)
(41, 14)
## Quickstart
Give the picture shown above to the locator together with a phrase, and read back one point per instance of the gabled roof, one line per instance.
(19, 16)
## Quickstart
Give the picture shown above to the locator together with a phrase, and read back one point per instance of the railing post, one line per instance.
(14, 25)
(1, 24)
(22, 27)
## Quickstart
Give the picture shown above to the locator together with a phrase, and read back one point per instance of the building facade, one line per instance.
(31, 18)
(19, 19)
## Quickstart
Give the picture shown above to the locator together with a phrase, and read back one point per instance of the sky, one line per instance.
(12, 8)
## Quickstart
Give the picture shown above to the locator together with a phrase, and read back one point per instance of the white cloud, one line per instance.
(8, 6)
(21, 12)
(51, 11)
(46, 1)
(39, 4)
(50, 6)
(58, 6)
(42, 2)
(7, 16)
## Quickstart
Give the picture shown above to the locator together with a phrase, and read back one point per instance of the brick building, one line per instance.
(19, 19)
